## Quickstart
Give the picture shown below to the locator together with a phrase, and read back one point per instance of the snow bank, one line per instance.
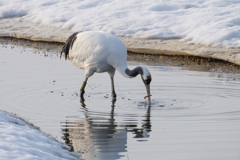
(171, 27)
(210, 22)
(20, 140)
(40, 32)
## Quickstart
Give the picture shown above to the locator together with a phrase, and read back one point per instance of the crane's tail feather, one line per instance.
(68, 44)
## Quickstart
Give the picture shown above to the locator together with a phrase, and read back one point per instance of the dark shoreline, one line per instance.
(195, 63)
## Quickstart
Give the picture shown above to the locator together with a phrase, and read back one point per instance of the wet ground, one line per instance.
(195, 112)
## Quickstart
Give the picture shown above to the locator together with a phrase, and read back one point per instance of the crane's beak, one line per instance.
(148, 93)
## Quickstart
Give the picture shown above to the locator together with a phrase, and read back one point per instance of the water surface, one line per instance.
(194, 115)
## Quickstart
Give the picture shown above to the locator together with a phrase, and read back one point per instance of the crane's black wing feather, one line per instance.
(68, 44)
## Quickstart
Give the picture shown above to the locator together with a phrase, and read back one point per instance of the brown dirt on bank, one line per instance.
(193, 63)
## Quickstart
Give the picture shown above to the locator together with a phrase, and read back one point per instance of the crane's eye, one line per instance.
(148, 80)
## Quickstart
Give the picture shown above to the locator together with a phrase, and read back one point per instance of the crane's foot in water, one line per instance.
(82, 93)
(114, 95)
(82, 98)
(82, 103)
(114, 99)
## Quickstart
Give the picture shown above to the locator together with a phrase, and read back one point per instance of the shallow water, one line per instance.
(194, 115)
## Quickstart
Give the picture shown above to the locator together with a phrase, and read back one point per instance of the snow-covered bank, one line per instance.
(207, 28)
(210, 22)
(19, 28)
(20, 140)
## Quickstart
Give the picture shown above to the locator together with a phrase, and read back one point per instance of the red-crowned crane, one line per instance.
(102, 52)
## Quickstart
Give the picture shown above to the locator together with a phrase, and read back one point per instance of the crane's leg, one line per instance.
(114, 99)
(111, 73)
(82, 89)
(113, 89)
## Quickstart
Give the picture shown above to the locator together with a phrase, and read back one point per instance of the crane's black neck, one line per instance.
(134, 72)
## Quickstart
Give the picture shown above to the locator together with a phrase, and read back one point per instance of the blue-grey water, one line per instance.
(194, 115)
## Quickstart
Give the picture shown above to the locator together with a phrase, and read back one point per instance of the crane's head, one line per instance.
(147, 78)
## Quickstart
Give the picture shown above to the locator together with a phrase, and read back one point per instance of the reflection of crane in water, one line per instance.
(97, 137)
(146, 127)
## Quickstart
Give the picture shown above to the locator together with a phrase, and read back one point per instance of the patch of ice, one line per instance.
(164, 7)
(10, 13)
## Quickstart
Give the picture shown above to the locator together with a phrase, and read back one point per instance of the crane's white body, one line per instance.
(99, 52)
(102, 52)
